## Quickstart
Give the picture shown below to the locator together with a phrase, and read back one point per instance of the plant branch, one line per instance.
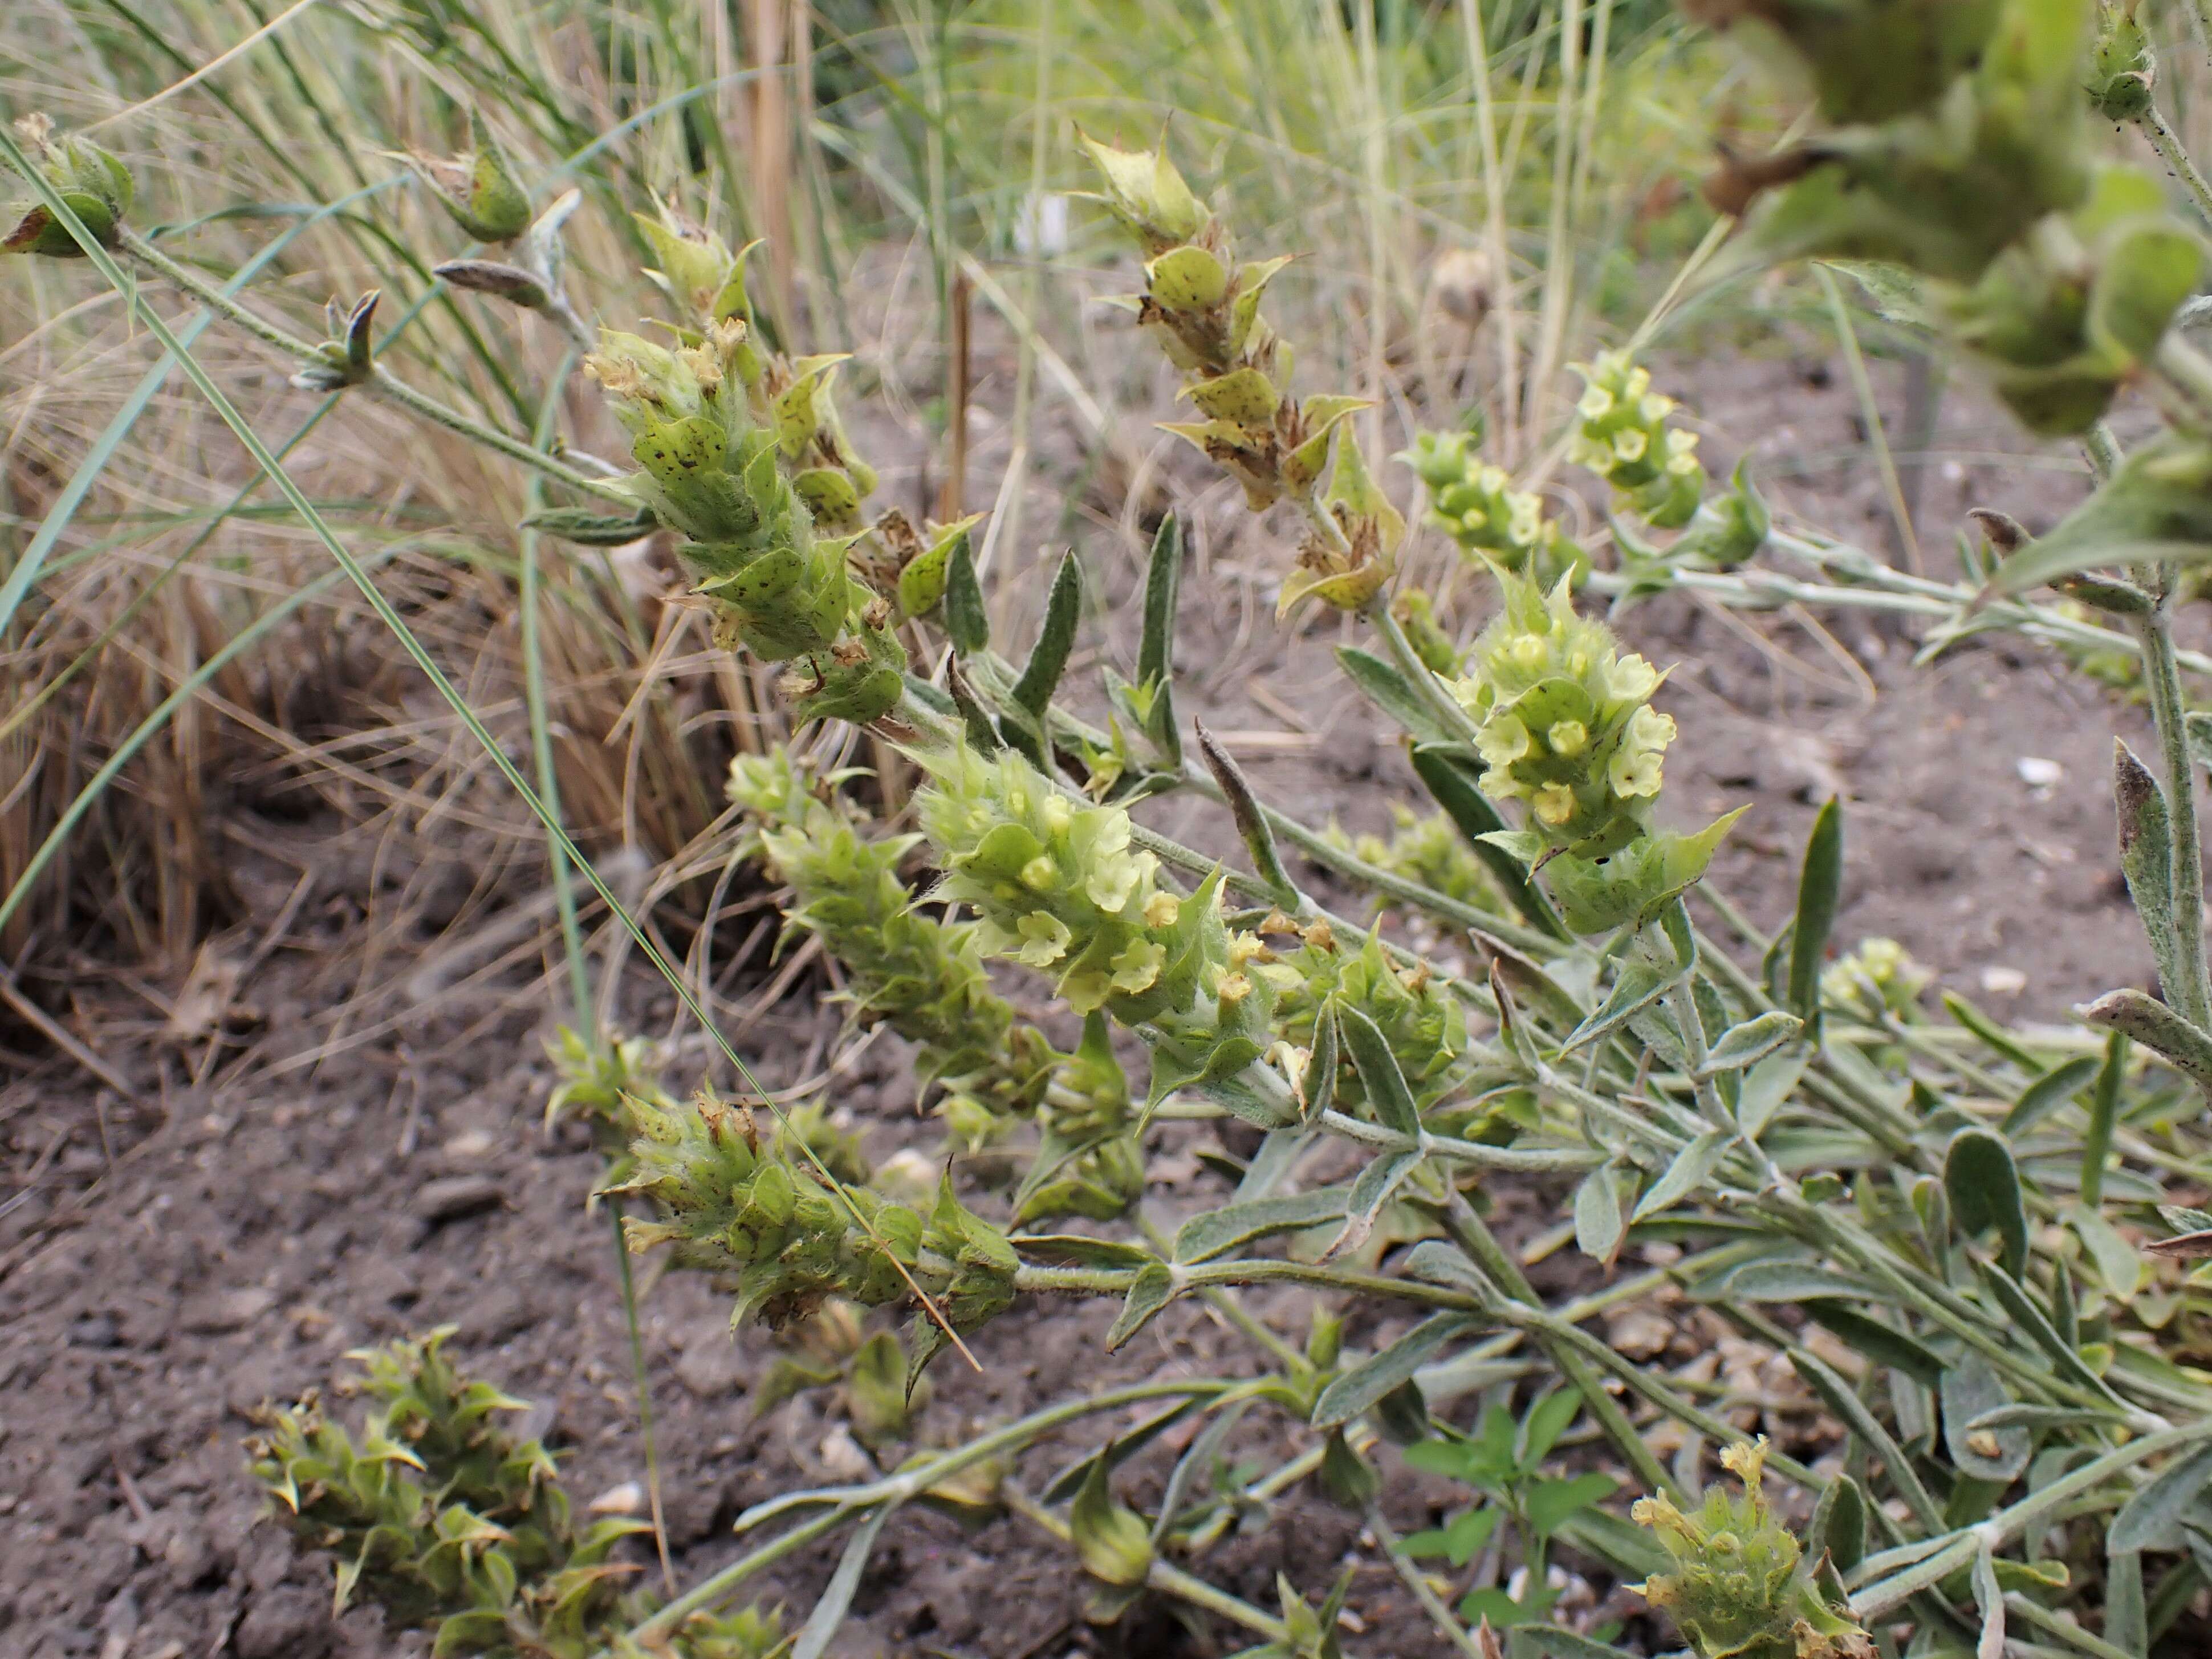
(382, 380)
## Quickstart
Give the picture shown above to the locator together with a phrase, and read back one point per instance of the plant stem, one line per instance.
(2171, 150)
(1469, 1233)
(846, 1503)
(1457, 720)
(2183, 370)
(2191, 998)
(381, 378)
(1386, 1537)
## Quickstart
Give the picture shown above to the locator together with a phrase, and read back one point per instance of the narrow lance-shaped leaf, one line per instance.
(1682, 1177)
(1317, 1088)
(1819, 886)
(1746, 1045)
(1162, 578)
(966, 622)
(1377, 1375)
(829, 1613)
(1203, 1238)
(1988, 1596)
(2048, 1093)
(1767, 1084)
(2126, 1625)
(1251, 823)
(2157, 508)
(1391, 692)
(982, 734)
(1152, 1289)
(1379, 1072)
(2146, 857)
(1063, 609)
(1600, 1223)
(2104, 1110)
(1648, 969)
(2152, 1518)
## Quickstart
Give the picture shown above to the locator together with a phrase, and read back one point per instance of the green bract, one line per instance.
(96, 186)
(1941, 186)
(479, 190)
(711, 472)
(2121, 65)
(2064, 317)
(1870, 60)
(733, 1204)
(1203, 307)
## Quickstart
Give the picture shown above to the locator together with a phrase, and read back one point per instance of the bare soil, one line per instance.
(237, 1179)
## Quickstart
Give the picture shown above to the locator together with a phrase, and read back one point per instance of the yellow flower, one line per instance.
(1138, 968)
(1044, 938)
(1085, 991)
(1631, 679)
(1635, 767)
(1041, 873)
(1555, 803)
(1502, 741)
(1568, 738)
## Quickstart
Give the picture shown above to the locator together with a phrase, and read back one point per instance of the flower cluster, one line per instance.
(732, 1204)
(1622, 434)
(596, 1079)
(1058, 888)
(1203, 307)
(793, 1235)
(744, 455)
(1741, 1587)
(2122, 66)
(1425, 1024)
(1566, 721)
(1879, 973)
(793, 397)
(450, 1524)
(921, 975)
(1475, 503)
(97, 187)
(1427, 849)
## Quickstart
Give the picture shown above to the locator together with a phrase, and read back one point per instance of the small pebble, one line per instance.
(2004, 981)
(2037, 773)
(453, 1197)
(212, 1313)
(628, 1498)
(469, 1146)
(842, 1458)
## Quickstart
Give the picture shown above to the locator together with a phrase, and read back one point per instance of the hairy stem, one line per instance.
(1471, 1234)
(2171, 150)
(381, 378)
